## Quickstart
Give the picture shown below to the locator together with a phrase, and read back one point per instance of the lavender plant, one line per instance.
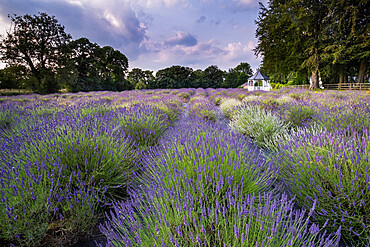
(332, 168)
(35, 203)
(189, 199)
(228, 106)
(144, 124)
(99, 161)
(172, 218)
(211, 153)
(56, 172)
(260, 124)
(200, 106)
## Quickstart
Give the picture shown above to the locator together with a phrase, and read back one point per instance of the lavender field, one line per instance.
(188, 167)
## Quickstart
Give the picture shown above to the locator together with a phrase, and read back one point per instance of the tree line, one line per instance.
(312, 38)
(185, 77)
(42, 57)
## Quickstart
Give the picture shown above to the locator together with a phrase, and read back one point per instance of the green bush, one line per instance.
(260, 124)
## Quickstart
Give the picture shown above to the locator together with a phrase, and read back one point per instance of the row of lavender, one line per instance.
(64, 158)
(199, 184)
(321, 143)
(207, 186)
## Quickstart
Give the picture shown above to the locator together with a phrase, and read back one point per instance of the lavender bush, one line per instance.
(262, 125)
(65, 157)
(201, 106)
(200, 192)
(332, 169)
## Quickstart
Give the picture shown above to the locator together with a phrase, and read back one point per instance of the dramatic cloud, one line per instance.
(154, 34)
(109, 22)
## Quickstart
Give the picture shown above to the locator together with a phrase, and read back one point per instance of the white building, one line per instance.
(258, 82)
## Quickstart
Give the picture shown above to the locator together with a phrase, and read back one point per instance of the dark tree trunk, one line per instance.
(361, 73)
(342, 76)
(314, 79)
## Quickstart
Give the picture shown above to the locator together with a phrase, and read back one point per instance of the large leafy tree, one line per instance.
(212, 77)
(309, 22)
(277, 44)
(140, 79)
(313, 36)
(173, 77)
(15, 77)
(112, 68)
(82, 59)
(347, 35)
(92, 67)
(36, 42)
(238, 75)
(289, 36)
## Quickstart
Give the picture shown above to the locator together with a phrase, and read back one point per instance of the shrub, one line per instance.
(200, 106)
(332, 169)
(170, 219)
(301, 96)
(184, 95)
(284, 99)
(201, 192)
(143, 124)
(211, 154)
(346, 117)
(299, 115)
(5, 121)
(227, 106)
(99, 161)
(260, 124)
(55, 178)
(252, 98)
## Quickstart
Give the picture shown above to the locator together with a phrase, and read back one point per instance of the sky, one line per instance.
(155, 34)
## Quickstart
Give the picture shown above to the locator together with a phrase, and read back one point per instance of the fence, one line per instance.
(348, 86)
(341, 86)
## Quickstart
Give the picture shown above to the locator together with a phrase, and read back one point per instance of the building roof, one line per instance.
(258, 76)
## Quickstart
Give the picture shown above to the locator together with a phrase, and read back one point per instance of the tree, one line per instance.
(212, 77)
(82, 58)
(238, 75)
(15, 77)
(347, 26)
(316, 36)
(289, 35)
(95, 68)
(112, 66)
(173, 77)
(36, 42)
(144, 77)
(196, 79)
(282, 52)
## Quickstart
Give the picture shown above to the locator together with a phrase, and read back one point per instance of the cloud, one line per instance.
(201, 55)
(201, 19)
(108, 22)
(236, 51)
(160, 3)
(143, 29)
(182, 39)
